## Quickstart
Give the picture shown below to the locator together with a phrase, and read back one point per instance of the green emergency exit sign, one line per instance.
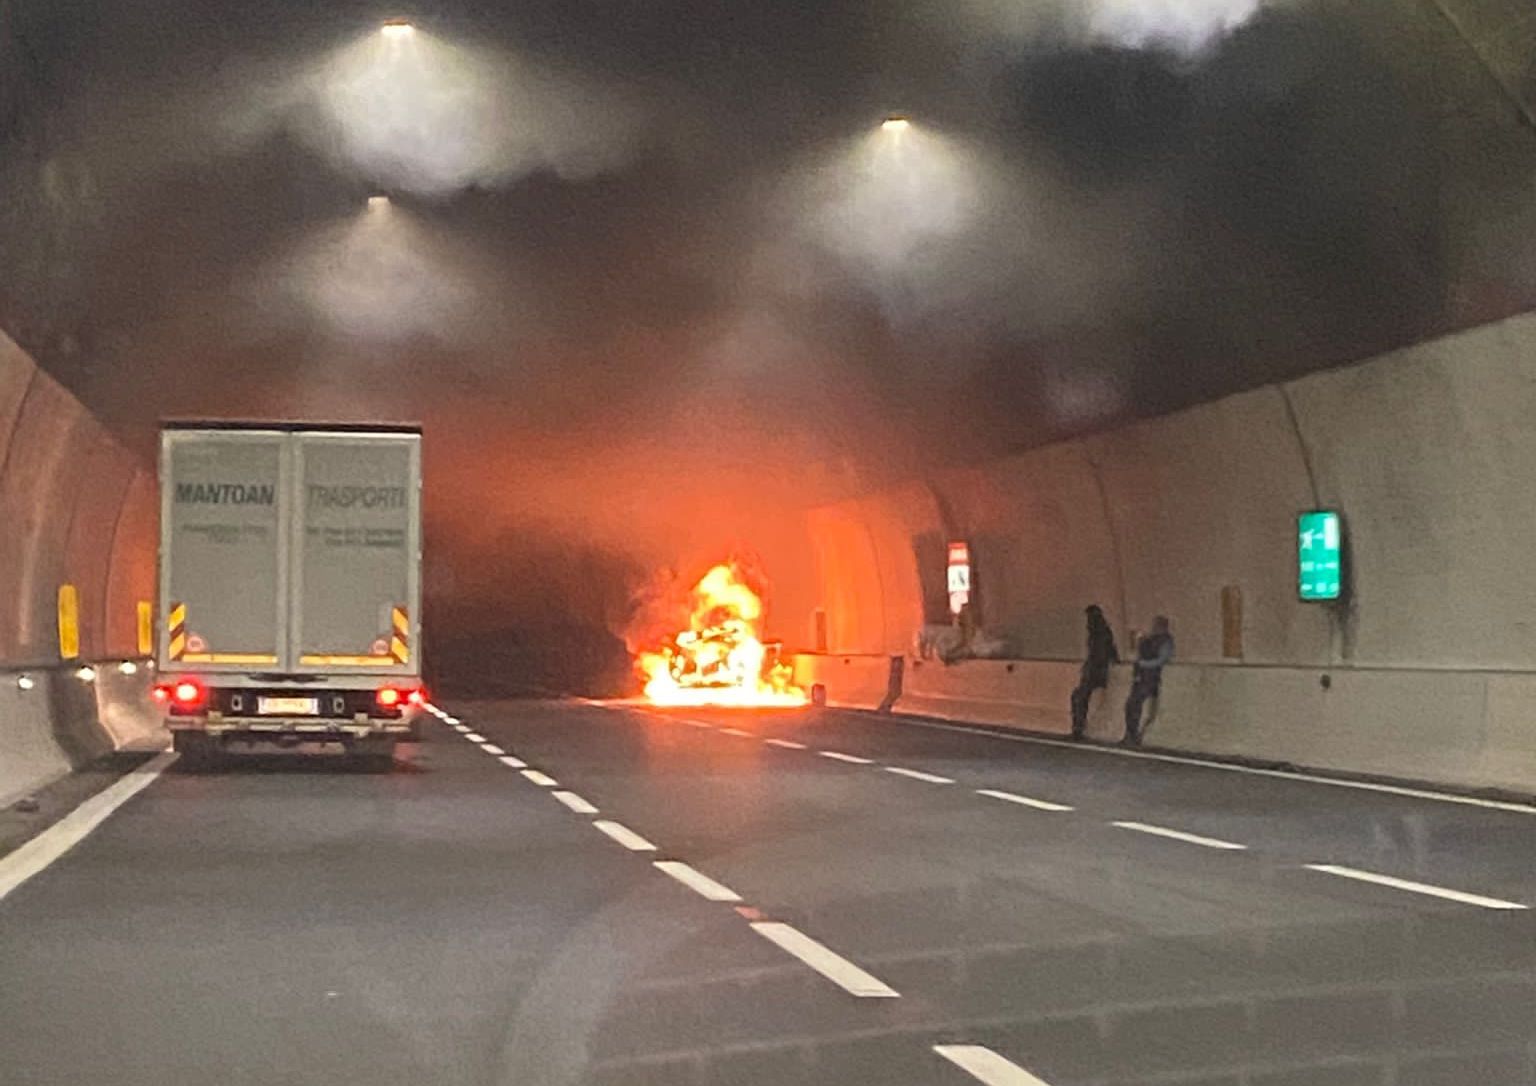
(1319, 556)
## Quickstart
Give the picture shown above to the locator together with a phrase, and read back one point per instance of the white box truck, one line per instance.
(290, 587)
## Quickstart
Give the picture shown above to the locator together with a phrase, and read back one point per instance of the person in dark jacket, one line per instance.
(1095, 673)
(1152, 655)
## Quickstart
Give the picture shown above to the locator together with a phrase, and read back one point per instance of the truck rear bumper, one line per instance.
(312, 730)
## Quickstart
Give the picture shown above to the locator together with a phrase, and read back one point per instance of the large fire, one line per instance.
(719, 659)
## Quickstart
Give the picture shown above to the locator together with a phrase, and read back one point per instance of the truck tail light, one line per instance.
(398, 697)
(182, 694)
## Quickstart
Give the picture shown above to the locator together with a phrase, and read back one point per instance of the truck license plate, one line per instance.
(288, 706)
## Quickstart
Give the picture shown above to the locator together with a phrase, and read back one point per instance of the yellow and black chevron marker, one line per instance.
(400, 636)
(177, 624)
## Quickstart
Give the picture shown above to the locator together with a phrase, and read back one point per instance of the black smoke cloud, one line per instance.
(653, 273)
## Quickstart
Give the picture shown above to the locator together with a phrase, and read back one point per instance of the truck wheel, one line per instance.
(197, 750)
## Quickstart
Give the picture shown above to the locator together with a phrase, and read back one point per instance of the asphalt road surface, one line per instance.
(559, 893)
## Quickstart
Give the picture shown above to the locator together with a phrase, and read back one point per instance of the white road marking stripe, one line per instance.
(918, 775)
(575, 802)
(737, 731)
(851, 758)
(1415, 887)
(69, 831)
(839, 970)
(1180, 835)
(787, 744)
(492, 748)
(625, 836)
(451, 720)
(1255, 771)
(543, 780)
(512, 763)
(460, 728)
(987, 1066)
(1023, 801)
(693, 723)
(698, 882)
(474, 737)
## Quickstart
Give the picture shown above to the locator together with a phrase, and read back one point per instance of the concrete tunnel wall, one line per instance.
(1430, 455)
(75, 508)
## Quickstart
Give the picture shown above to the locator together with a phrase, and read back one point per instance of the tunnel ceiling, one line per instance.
(671, 248)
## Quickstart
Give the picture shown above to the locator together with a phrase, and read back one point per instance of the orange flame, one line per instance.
(719, 659)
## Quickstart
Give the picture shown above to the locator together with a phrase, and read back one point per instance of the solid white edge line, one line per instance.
(624, 836)
(575, 802)
(492, 748)
(787, 744)
(737, 731)
(987, 1066)
(511, 762)
(1415, 887)
(852, 759)
(1254, 771)
(475, 737)
(543, 780)
(1180, 835)
(919, 775)
(839, 970)
(1023, 801)
(697, 881)
(35, 855)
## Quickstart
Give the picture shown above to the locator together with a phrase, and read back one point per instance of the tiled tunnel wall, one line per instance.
(1429, 671)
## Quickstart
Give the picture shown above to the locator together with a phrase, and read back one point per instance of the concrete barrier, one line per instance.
(850, 682)
(57, 722)
(125, 710)
(30, 756)
(1033, 695)
(1467, 729)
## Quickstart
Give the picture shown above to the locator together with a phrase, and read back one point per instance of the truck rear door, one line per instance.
(355, 587)
(223, 562)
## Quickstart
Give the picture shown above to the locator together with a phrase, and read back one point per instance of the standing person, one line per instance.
(1152, 654)
(1095, 673)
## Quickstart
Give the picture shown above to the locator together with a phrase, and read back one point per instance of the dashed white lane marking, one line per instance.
(987, 1066)
(1255, 771)
(492, 748)
(74, 827)
(697, 723)
(460, 728)
(625, 836)
(737, 731)
(1415, 887)
(511, 762)
(451, 720)
(919, 775)
(839, 970)
(1180, 835)
(1022, 801)
(787, 744)
(474, 737)
(575, 802)
(697, 881)
(543, 780)
(841, 757)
